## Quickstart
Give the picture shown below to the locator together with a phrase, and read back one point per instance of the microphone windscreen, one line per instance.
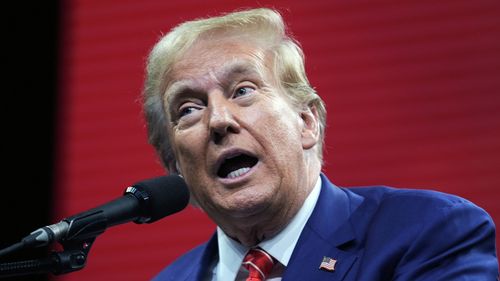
(167, 195)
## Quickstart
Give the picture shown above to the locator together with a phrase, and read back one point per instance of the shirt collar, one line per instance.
(231, 253)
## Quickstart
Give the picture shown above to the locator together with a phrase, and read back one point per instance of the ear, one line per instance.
(310, 129)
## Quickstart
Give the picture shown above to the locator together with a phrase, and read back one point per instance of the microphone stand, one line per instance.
(83, 230)
(77, 233)
(72, 258)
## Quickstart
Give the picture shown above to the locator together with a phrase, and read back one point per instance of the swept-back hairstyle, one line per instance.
(288, 68)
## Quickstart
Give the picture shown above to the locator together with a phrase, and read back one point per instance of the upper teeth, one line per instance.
(238, 172)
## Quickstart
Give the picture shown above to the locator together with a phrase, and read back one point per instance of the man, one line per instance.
(229, 107)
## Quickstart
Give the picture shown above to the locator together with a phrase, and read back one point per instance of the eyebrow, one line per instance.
(174, 90)
(173, 94)
(224, 74)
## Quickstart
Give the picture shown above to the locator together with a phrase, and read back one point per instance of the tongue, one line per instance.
(236, 166)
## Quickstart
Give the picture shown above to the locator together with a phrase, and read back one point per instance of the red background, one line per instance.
(412, 91)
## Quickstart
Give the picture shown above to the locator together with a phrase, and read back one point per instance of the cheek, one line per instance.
(280, 124)
(188, 146)
(271, 112)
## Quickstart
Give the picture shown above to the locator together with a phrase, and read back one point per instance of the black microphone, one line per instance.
(144, 202)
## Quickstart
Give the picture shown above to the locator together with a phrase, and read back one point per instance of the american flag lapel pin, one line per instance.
(328, 264)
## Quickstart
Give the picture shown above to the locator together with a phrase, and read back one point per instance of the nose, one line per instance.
(222, 117)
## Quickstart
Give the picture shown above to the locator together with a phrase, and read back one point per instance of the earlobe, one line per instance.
(310, 129)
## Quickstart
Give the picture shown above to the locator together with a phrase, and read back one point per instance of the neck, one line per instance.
(250, 231)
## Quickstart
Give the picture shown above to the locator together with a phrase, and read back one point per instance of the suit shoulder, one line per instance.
(419, 204)
(421, 234)
(387, 195)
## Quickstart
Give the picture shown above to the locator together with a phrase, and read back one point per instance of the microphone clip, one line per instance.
(72, 258)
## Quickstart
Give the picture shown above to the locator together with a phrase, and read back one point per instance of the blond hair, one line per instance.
(288, 68)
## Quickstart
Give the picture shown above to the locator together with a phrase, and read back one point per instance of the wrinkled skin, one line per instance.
(222, 101)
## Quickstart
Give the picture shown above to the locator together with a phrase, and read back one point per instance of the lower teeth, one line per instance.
(238, 172)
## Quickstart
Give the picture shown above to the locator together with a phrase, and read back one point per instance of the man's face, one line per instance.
(238, 141)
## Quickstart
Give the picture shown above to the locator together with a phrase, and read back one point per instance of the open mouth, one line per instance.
(236, 166)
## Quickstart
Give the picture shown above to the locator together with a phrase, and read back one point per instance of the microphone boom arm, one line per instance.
(72, 258)
(144, 202)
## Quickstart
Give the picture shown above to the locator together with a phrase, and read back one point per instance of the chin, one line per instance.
(247, 208)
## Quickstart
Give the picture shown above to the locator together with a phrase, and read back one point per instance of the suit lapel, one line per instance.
(326, 232)
(308, 255)
(204, 263)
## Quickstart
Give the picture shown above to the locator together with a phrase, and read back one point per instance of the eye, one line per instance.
(241, 91)
(187, 109)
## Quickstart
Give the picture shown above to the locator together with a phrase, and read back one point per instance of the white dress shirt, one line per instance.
(231, 253)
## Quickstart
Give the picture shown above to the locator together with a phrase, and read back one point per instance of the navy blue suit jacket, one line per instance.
(378, 234)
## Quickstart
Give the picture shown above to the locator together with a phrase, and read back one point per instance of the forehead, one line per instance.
(219, 55)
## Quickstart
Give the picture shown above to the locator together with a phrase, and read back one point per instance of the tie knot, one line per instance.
(258, 263)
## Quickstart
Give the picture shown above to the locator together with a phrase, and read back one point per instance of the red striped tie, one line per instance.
(258, 263)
